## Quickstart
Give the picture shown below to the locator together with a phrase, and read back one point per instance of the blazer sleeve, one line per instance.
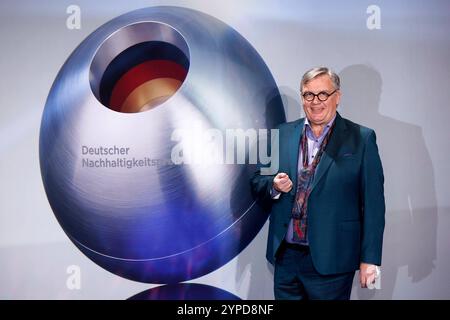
(262, 185)
(373, 203)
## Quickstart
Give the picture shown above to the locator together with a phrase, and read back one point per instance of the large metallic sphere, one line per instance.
(137, 88)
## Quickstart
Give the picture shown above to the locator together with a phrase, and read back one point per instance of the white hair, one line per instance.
(318, 71)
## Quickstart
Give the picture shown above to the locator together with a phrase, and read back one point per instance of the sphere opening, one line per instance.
(139, 67)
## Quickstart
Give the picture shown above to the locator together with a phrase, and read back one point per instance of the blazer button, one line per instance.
(285, 225)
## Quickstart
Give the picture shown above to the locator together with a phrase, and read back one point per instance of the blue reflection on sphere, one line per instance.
(185, 291)
(158, 222)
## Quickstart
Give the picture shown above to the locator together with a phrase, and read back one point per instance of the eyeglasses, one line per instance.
(322, 95)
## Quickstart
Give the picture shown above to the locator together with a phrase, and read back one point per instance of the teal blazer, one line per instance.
(346, 205)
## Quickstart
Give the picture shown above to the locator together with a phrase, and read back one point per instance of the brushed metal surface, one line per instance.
(158, 223)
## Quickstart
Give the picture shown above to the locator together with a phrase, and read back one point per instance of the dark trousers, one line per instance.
(296, 278)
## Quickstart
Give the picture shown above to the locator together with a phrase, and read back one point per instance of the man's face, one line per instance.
(320, 112)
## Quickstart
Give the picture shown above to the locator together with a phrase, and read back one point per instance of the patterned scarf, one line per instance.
(304, 181)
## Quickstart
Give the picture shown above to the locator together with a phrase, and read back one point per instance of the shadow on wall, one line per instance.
(411, 206)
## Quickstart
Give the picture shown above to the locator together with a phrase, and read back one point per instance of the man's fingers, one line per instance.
(282, 182)
(363, 283)
(281, 176)
(362, 280)
(367, 279)
(287, 187)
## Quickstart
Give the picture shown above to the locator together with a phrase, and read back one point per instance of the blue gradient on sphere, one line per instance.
(163, 223)
(184, 291)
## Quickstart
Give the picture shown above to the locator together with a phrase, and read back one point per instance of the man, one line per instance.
(327, 199)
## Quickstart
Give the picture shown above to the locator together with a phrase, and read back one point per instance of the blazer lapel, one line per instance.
(331, 150)
(294, 148)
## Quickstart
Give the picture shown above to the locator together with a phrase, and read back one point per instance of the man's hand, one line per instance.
(282, 183)
(367, 274)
